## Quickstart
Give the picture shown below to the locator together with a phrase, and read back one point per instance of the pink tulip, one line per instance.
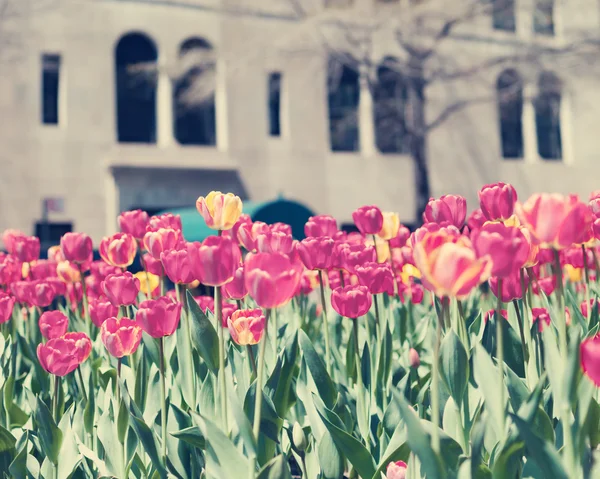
(309, 281)
(55, 254)
(7, 304)
(574, 257)
(414, 360)
(272, 278)
(321, 225)
(368, 219)
(396, 470)
(42, 269)
(164, 221)
(101, 309)
(592, 303)
(159, 317)
(497, 201)
(448, 208)
(506, 245)
(177, 266)
(541, 317)
(152, 265)
(22, 291)
(163, 239)
(118, 250)
(227, 309)
(53, 324)
(491, 314)
(596, 229)
(476, 220)
(42, 294)
(247, 326)
(401, 238)
(316, 252)
(26, 248)
(347, 256)
(8, 238)
(206, 303)
(275, 242)
(68, 272)
(511, 287)
(280, 227)
(121, 337)
(590, 358)
(121, 289)
(236, 288)
(420, 233)
(134, 223)
(377, 277)
(10, 270)
(60, 356)
(351, 301)
(77, 248)
(59, 287)
(215, 260)
(556, 221)
(248, 233)
(547, 285)
(242, 220)
(594, 205)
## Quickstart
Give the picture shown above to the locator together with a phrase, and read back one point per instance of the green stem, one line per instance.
(222, 381)
(85, 398)
(359, 380)
(587, 285)
(252, 359)
(500, 351)
(55, 414)
(565, 412)
(180, 292)
(163, 395)
(521, 333)
(435, 383)
(259, 379)
(597, 261)
(120, 403)
(325, 324)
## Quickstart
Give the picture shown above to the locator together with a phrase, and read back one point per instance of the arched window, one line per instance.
(503, 14)
(543, 17)
(194, 94)
(547, 117)
(344, 94)
(510, 109)
(390, 98)
(135, 60)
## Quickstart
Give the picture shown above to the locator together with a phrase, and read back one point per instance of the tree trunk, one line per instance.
(418, 137)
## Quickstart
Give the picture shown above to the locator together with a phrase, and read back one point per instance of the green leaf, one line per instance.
(49, 434)
(276, 468)
(279, 384)
(317, 369)
(7, 449)
(242, 422)
(517, 389)
(331, 461)
(223, 458)
(192, 436)
(141, 380)
(419, 441)
(70, 456)
(397, 449)
(542, 452)
(352, 448)
(205, 338)
(486, 375)
(454, 366)
(186, 375)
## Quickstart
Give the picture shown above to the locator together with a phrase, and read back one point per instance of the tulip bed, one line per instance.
(468, 348)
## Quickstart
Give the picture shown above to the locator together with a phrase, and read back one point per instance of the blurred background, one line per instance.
(299, 107)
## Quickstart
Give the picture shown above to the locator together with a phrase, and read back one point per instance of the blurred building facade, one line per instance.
(102, 109)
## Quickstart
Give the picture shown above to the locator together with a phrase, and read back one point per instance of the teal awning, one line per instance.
(285, 211)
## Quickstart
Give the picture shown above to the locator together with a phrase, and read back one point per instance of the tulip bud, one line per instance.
(246, 326)
(316, 252)
(121, 289)
(413, 358)
(299, 438)
(497, 201)
(368, 219)
(396, 470)
(120, 336)
(7, 304)
(351, 301)
(590, 358)
(77, 247)
(159, 317)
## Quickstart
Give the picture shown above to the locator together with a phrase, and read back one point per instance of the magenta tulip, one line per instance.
(316, 252)
(497, 201)
(101, 309)
(163, 239)
(351, 301)
(134, 223)
(60, 356)
(272, 278)
(53, 324)
(368, 219)
(121, 289)
(506, 245)
(7, 304)
(321, 225)
(166, 221)
(215, 260)
(159, 317)
(77, 248)
(590, 358)
(177, 266)
(378, 277)
(120, 336)
(450, 209)
(236, 288)
(26, 248)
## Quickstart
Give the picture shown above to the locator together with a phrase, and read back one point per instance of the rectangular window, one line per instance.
(504, 15)
(543, 17)
(50, 88)
(275, 104)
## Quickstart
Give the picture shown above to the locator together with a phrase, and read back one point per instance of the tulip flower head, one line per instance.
(590, 358)
(159, 317)
(236, 288)
(100, 309)
(177, 266)
(378, 277)
(351, 301)
(118, 250)
(166, 220)
(121, 289)
(215, 260)
(316, 252)
(390, 227)
(275, 242)
(53, 324)
(77, 248)
(511, 286)
(247, 326)
(321, 225)
(7, 304)
(163, 239)
(556, 221)
(8, 238)
(134, 223)
(26, 248)
(120, 336)
(60, 356)
(507, 247)
(449, 265)
(497, 201)
(248, 234)
(451, 209)
(220, 211)
(368, 219)
(396, 470)
(272, 279)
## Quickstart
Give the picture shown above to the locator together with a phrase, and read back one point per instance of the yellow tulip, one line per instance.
(148, 282)
(220, 211)
(390, 227)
